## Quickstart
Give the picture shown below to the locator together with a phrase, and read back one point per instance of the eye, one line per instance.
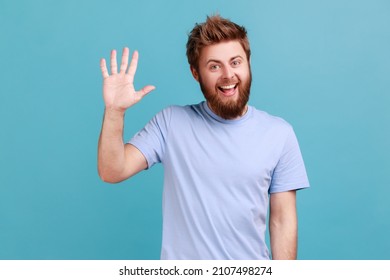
(214, 67)
(236, 62)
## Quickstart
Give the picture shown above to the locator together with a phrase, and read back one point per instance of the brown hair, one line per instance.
(215, 30)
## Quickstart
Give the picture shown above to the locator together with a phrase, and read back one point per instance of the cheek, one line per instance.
(209, 81)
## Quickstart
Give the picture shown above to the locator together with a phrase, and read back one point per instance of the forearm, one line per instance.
(283, 237)
(111, 151)
(283, 225)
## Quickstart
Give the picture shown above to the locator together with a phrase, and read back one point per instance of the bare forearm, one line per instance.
(111, 153)
(283, 237)
(283, 225)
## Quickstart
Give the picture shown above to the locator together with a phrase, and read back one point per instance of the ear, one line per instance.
(194, 73)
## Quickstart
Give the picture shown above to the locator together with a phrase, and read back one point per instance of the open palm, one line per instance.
(118, 88)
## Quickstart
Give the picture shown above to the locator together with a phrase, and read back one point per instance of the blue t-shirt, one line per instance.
(218, 175)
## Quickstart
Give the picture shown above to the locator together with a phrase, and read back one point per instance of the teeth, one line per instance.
(227, 87)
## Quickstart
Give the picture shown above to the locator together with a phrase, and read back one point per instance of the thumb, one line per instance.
(144, 91)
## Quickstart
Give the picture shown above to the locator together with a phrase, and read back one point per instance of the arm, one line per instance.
(117, 161)
(283, 225)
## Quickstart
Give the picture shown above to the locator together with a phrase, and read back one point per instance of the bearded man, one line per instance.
(225, 162)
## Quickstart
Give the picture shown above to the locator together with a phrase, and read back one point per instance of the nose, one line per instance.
(227, 72)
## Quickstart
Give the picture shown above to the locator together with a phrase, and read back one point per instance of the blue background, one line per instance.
(322, 65)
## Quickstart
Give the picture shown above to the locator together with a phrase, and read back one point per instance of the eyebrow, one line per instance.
(218, 61)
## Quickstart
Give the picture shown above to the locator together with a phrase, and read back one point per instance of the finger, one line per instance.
(103, 67)
(114, 66)
(145, 90)
(133, 65)
(125, 60)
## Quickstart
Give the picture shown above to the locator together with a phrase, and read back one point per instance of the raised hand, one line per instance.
(118, 88)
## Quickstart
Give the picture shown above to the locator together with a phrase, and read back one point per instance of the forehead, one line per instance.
(222, 51)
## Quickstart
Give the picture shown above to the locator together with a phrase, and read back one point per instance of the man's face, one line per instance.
(225, 78)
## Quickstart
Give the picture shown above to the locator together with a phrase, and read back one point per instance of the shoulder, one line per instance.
(269, 121)
(178, 111)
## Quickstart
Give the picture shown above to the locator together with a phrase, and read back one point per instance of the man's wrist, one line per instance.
(114, 112)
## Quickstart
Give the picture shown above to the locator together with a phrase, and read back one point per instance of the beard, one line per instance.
(228, 109)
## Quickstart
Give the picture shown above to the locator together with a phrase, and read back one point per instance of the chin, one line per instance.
(230, 108)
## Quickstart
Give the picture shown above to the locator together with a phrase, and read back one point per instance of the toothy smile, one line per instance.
(227, 87)
(228, 90)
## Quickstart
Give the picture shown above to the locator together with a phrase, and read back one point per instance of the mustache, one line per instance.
(228, 82)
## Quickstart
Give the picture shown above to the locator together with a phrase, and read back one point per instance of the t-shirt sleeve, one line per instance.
(150, 140)
(290, 172)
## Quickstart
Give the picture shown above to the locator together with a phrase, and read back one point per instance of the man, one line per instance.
(225, 162)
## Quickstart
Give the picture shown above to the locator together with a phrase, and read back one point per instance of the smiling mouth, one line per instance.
(228, 90)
